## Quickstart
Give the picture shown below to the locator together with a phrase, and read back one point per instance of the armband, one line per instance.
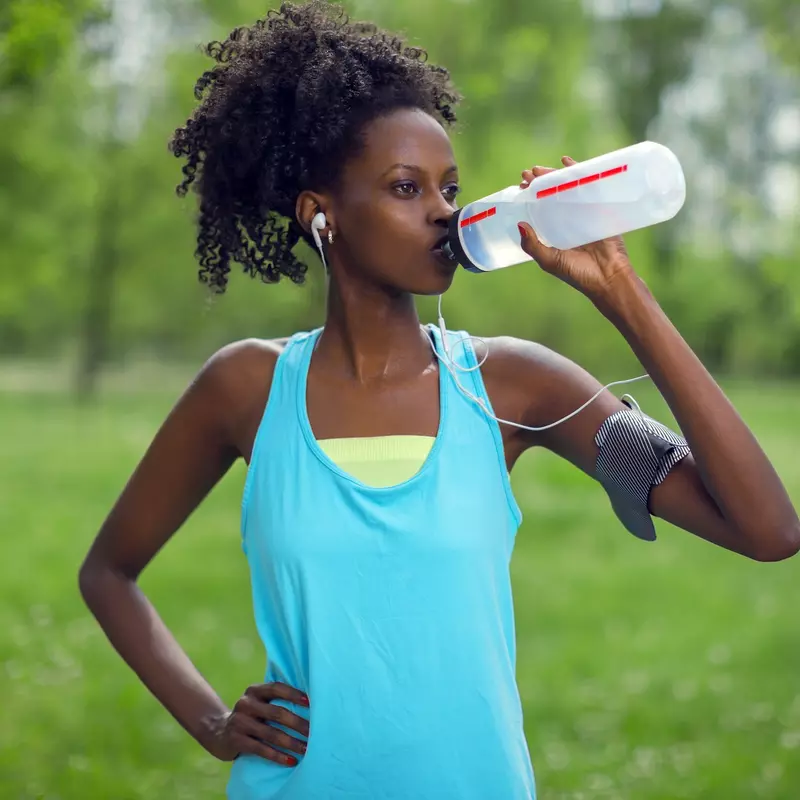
(635, 453)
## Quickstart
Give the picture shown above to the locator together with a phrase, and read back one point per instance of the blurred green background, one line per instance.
(653, 672)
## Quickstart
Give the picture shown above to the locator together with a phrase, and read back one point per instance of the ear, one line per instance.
(308, 205)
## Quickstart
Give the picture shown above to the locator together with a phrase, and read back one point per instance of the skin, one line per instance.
(373, 354)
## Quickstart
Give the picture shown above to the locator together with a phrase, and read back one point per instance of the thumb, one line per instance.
(530, 241)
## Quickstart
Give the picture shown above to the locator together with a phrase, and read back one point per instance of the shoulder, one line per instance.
(234, 384)
(508, 354)
(523, 364)
(242, 365)
(534, 382)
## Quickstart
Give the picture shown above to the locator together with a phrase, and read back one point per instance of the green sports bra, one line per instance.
(379, 461)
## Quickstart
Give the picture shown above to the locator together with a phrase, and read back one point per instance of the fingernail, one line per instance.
(291, 761)
(522, 230)
(304, 701)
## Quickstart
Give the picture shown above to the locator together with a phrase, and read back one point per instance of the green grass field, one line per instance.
(648, 672)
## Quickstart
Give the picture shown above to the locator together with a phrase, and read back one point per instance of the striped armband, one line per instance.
(635, 453)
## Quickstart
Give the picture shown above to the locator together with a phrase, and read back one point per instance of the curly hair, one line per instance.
(281, 112)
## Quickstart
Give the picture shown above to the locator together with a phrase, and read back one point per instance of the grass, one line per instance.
(647, 671)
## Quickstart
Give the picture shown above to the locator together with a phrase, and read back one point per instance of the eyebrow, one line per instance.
(415, 168)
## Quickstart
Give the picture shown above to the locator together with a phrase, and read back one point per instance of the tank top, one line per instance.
(390, 607)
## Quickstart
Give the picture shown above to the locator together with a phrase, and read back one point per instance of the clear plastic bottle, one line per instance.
(610, 195)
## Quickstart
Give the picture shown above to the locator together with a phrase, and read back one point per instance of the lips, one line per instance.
(444, 256)
(444, 252)
(440, 243)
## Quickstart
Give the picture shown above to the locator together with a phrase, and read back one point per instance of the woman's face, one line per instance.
(393, 204)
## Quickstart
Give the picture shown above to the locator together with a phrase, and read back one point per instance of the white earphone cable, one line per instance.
(452, 367)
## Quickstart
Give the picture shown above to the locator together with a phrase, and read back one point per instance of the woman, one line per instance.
(378, 519)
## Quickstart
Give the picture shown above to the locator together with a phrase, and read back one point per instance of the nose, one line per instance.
(441, 212)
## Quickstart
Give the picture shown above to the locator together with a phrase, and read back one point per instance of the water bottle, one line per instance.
(610, 195)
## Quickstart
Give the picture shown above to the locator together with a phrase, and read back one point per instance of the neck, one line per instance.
(371, 334)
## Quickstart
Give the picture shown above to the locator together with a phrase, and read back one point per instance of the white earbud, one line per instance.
(317, 224)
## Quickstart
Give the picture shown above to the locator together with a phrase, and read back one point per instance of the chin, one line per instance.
(435, 281)
(432, 288)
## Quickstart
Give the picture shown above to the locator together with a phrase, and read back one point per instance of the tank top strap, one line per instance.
(280, 410)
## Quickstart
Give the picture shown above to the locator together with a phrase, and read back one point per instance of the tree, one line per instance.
(644, 55)
(781, 21)
(44, 167)
(36, 34)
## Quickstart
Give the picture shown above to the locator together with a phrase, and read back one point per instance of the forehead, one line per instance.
(408, 136)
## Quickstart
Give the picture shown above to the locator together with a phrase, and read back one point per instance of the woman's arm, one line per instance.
(553, 387)
(733, 469)
(192, 451)
(727, 490)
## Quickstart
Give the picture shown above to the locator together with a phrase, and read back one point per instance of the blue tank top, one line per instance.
(391, 607)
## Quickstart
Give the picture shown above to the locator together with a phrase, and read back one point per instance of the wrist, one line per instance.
(211, 734)
(625, 296)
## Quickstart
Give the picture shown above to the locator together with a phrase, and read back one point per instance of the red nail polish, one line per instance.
(522, 230)
(291, 761)
(304, 701)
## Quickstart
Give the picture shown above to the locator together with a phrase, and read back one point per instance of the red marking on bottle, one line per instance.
(478, 217)
(565, 187)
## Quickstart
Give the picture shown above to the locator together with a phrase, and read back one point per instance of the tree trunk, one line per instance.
(101, 280)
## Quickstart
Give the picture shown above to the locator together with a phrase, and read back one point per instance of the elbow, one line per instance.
(98, 577)
(94, 579)
(90, 579)
(779, 547)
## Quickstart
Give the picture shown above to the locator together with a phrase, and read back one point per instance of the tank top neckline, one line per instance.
(314, 446)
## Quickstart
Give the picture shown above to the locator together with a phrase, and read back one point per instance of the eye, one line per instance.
(406, 188)
(451, 191)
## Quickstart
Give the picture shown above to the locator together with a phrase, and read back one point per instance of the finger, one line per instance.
(252, 707)
(567, 161)
(270, 735)
(278, 738)
(280, 691)
(282, 716)
(247, 744)
(529, 175)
